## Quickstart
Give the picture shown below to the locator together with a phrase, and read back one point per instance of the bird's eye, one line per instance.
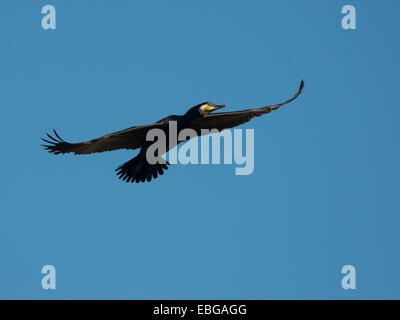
(205, 107)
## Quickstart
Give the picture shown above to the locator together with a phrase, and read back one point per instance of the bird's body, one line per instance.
(139, 169)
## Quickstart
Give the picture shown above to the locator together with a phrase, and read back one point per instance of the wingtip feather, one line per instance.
(301, 85)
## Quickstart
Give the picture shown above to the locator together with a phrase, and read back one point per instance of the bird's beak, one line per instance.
(217, 107)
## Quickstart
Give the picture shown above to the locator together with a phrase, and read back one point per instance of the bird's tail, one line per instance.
(139, 170)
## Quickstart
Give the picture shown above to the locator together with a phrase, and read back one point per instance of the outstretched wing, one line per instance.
(131, 138)
(226, 120)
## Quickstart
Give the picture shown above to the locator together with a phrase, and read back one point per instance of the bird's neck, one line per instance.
(191, 115)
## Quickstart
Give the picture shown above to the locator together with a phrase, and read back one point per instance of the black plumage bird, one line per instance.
(138, 169)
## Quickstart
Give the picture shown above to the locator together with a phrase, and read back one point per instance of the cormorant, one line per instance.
(138, 169)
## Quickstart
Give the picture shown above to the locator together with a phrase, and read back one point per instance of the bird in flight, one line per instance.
(139, 169)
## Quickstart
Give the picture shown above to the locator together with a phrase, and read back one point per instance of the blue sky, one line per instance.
(324, 192)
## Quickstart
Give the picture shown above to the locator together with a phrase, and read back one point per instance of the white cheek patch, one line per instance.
(202, 110)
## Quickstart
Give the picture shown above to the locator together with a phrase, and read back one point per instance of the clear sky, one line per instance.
(324, 192)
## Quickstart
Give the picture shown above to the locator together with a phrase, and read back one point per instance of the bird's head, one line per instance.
(208, 107)
(202, 109)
